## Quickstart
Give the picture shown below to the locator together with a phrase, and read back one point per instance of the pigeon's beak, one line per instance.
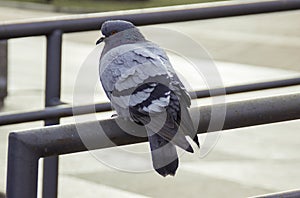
(100, 40)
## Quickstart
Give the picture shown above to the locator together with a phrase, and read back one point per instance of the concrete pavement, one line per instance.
(244, 162)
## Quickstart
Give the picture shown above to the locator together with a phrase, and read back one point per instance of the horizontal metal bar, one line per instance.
(52, 112)
(62, 111)
(248, 87)
(285, 194)
(64, 139)
(87, 22)
(26, 147)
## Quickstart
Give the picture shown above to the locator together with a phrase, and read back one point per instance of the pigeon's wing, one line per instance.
(122, 73)
(177, 86)
(139, 79)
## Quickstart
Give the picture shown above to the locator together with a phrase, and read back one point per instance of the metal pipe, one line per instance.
(3, 71)
(248, 87)
(64, 139)
(53, 68)
(87, 22)
(52, 112)
(22, 169)
(52, 98)
(62, 111)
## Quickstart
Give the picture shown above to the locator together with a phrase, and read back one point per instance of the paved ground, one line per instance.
(244, 162)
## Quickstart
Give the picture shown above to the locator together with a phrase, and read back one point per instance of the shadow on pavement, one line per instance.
(2, 195)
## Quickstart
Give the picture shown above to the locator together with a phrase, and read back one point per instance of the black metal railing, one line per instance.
(3, 71)
(27, 147)
(67, 111)
(54, 28)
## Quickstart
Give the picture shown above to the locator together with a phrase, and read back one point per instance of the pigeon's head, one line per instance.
(114, 26)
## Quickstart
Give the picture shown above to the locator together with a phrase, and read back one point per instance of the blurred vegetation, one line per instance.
(111, 5)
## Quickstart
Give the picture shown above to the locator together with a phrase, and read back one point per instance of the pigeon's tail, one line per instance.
(162, 144)
(164, 155)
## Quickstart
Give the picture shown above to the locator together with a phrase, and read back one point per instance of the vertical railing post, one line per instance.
(3, 71)
(52, 98)
(22, 169)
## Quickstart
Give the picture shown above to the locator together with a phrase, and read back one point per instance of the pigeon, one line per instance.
(143, 87)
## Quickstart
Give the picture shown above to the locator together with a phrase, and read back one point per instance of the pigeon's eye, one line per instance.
(113, 32)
